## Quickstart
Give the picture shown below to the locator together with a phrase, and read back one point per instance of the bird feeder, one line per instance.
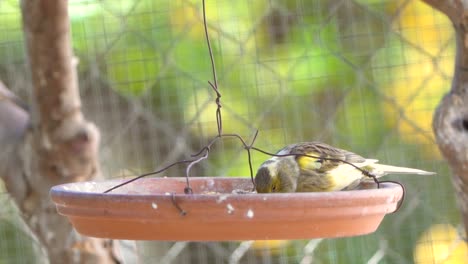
(219, 209)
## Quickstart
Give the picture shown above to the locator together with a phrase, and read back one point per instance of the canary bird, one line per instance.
(318, 167)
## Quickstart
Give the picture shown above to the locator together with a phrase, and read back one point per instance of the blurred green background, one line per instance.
(364, 75)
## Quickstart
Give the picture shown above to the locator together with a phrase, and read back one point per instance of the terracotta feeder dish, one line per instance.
(158, 209)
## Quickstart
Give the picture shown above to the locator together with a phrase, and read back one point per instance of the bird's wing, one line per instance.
(317, 160)
(321, 156)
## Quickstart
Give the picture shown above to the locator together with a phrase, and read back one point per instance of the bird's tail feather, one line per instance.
(382, 169)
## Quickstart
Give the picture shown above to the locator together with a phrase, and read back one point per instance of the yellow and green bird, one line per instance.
(318, 167)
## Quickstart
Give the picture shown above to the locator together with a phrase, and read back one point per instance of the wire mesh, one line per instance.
(364, 75)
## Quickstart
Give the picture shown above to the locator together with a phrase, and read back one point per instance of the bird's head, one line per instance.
(267, 180)
(275, 177)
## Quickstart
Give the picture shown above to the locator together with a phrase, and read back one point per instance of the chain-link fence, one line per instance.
(364, 75)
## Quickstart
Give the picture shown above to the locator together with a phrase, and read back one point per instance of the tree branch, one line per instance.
(56, 144)
(450, 123)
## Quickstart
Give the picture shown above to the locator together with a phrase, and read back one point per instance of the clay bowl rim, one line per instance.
(63, 195)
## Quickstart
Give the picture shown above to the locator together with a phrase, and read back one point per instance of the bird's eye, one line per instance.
(318, 163)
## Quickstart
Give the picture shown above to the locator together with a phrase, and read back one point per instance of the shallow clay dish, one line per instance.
(145, 210)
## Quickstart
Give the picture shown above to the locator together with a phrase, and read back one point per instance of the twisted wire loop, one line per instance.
(205, 150)
(403, 195)
(146, 174)
(182, 212)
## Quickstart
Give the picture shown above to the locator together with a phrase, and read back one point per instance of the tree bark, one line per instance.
(56, 144)
(450, 122)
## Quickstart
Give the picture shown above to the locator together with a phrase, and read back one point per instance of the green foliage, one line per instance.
(16, 243)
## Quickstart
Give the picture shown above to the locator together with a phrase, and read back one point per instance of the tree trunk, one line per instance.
(450, 122)
(55, 144)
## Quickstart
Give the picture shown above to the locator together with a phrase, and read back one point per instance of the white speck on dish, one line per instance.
(154, 205)
(264, 199)
(221, 198)
(167, 193)
(210, 183)
(89, 186)
(250, 213)
(230, 209)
